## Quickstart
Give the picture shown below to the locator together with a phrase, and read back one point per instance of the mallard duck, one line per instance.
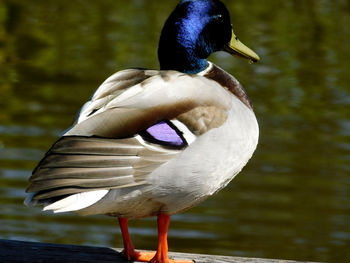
(156, 142)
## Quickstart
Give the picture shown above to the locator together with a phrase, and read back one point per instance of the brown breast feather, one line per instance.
(228, 81)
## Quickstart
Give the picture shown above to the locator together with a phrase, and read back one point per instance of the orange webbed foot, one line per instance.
(133, 255)
(151, 257)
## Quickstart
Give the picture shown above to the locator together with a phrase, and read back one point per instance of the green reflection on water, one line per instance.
(291, 201)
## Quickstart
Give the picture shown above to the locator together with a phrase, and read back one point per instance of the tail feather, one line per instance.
(76, 202)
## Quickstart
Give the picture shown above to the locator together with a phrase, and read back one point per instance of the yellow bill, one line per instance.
(236, 47)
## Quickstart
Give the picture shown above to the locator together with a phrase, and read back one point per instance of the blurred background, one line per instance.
(292, 201)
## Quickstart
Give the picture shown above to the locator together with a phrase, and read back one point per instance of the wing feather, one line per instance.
(58, 193)
(71, 173)
(82, 183)
(65, 171)
(83, 161)
(165, 95)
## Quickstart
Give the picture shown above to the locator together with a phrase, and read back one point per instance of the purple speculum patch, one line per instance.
(164, 132)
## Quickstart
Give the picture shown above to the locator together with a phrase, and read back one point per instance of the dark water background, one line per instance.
(292, 201)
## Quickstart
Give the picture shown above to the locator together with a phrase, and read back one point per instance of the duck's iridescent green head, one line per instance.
(194, 30)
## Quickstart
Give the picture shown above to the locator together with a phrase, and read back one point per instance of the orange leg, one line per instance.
(161, 255)
(129, 250)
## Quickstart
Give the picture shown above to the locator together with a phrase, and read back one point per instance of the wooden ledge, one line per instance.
(29, 252)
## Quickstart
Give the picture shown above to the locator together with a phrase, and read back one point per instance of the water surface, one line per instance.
(292, 201)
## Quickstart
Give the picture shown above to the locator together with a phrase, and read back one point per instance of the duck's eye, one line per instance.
(218, 18)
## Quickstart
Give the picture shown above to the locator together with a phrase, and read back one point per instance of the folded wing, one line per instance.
(108, 146)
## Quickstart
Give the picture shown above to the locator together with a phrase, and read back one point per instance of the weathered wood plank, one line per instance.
(34, 252)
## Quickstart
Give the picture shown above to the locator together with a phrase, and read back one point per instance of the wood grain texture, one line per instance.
(22, 251)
